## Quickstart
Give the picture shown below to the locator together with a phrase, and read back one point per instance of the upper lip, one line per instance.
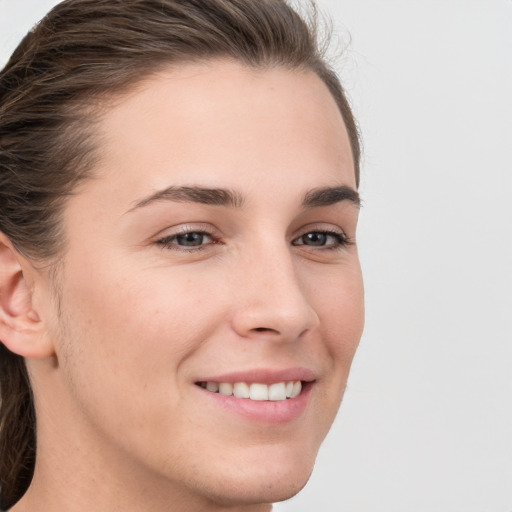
(264, 376)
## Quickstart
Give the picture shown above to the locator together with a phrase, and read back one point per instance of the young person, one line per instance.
(180, 291)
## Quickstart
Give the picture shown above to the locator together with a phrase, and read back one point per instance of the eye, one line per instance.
(187, 240)
(328, 239)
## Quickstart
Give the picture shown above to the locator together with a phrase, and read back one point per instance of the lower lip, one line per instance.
(264, 411)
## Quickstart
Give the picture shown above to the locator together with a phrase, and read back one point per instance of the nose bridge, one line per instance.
(272, 298)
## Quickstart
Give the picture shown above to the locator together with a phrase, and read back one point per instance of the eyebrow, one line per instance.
(195, 194)
(327, 196)
(324, 196)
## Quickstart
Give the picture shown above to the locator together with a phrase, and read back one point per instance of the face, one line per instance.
(213, 253)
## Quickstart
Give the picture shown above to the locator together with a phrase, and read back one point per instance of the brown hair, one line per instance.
(80, 52)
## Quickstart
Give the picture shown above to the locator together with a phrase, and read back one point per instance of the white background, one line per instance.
(426, 424)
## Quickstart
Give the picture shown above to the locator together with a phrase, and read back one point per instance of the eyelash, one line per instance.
(169, 242)
(342, 240)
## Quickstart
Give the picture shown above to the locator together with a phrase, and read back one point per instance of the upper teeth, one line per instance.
(256, 391)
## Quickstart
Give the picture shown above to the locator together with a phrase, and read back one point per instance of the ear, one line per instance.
(21, 328)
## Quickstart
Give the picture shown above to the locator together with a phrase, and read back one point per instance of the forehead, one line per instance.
(221, 123)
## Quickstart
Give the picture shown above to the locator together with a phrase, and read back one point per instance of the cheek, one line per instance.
(339, 302)
(126, 342)
(131, 330)
(342, 318)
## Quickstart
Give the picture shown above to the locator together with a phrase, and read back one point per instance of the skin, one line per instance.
(115, 355)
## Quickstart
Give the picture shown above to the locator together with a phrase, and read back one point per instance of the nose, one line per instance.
(271, 299)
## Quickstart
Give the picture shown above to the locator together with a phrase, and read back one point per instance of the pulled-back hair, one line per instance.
(51, 93)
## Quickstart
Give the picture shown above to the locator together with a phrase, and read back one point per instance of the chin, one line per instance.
(258, 491)
(274, 477)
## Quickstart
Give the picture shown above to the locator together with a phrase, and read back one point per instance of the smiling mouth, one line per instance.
(276, 392)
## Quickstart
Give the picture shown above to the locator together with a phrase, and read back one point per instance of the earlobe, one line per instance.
(21, 328)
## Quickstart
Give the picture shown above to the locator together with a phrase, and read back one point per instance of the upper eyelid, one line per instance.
(340, 237)
(214, 232)
(168, 242)
(183, 229)
(323, 227)
(177, 234)
(333, 232)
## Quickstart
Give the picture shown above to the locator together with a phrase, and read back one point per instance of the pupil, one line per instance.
(190, 239)
(316, 238)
